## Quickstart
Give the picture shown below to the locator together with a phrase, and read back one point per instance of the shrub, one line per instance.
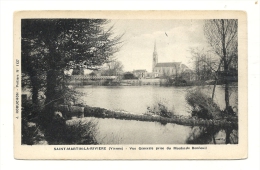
(202, 105)
(28, 133)
(76, 132)
(81, 132)
(30, 128)
(160, 109)
(201, 135)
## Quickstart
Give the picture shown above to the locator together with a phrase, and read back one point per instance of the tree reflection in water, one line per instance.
(212, 135)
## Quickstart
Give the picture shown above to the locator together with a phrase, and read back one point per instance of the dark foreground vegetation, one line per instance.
(58, 131)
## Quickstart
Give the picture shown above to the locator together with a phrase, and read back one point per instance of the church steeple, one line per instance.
(155, 56)
(154, 50)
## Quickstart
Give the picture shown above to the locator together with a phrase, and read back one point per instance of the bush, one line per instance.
(201, 135)
(76, 132)
(202, 105)
(81, 133)
(29, 133)
(30, 128)
(31, 111)
(160, 109)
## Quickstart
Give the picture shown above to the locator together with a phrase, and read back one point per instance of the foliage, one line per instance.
(210, 135)
(64, 42)
(27, 133)
(31, 133)
(51, 46)
(205, 64)
(169, 80)
(201, 135)
(221, 35)
(129, 75)
(68, 95)
(114, 68)
(33, 77)
(202, 105)
(77, 132)
(77, 70)
(161, 110)
(30, 127)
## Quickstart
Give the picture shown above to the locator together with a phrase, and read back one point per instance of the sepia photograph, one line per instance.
(131, 83)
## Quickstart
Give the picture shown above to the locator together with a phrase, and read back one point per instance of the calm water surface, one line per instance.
(114, 131)
(136, 99)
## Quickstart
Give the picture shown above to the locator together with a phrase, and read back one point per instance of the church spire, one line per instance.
(155, 56)
(155, 47)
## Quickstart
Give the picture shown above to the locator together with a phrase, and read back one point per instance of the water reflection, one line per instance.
(114, 131)
(202, 135)
(212, 135)
(136, 99)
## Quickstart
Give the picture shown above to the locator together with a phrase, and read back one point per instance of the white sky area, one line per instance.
(140, 35)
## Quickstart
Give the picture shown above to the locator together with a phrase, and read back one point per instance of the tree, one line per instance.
(64, 44)
(179, 73)
(221, 35)
(78, 70)
(129, 75)
(204, 64)
(114, 68)
(32, 67)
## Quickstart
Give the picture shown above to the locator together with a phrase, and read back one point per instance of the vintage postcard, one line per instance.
(130, 85)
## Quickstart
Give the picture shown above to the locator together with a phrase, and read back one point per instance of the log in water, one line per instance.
(186, 121)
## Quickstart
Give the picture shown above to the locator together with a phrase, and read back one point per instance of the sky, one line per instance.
(173, 39)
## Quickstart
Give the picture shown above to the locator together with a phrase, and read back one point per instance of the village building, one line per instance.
(172, 69)
(141, 74)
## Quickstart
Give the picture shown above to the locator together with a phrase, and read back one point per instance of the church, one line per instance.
(173, 69)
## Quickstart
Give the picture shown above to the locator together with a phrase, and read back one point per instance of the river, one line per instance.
(136, 99)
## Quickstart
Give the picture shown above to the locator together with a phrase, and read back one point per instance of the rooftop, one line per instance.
(170, 64)
(139, 71)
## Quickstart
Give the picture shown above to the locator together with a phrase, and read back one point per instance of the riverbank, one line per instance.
(80, 81)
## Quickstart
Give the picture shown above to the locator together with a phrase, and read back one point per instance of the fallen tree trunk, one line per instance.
(186, 121)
